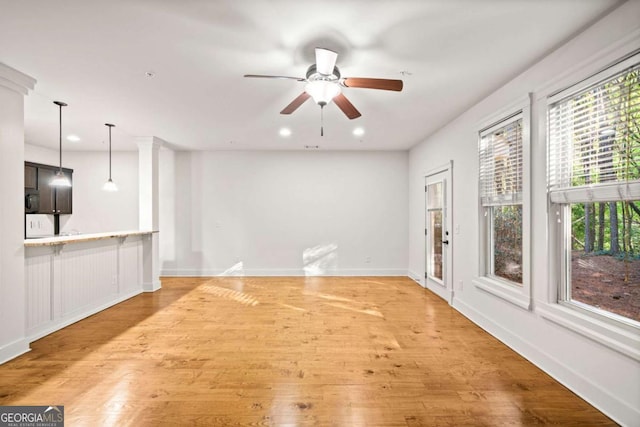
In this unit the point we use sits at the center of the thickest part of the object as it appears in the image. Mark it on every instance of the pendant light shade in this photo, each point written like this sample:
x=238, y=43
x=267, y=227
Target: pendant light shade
x=109, y=185
x=60, y=179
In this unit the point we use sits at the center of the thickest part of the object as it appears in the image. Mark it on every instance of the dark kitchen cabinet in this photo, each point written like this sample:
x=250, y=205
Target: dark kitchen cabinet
x=63, y=199
x=30, y=177
x=47, y=192
x=53, y=200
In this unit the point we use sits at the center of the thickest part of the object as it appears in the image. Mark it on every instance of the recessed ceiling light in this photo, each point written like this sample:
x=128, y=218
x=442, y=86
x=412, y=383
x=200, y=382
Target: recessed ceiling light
x=73, y=138
x=358, y=131
x=285, y=132
x=149, y=74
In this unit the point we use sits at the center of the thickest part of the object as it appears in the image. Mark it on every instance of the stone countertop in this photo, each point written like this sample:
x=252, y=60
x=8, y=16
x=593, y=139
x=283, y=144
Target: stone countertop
x=79, y=238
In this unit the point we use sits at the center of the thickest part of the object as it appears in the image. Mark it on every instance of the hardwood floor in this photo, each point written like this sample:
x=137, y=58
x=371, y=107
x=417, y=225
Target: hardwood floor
x=292, y=351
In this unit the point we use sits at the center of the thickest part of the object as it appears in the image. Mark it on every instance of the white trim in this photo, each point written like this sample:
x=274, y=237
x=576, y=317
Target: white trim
x=14, y=349
x=618, y=410
x=617, y=338
x=505, y=114
x=519, y=295
x=16, y=81
x=442, y=168
x=152, y=286
x=445, y=289
x=504, y=290
x=594, y=64
x=605, y=330
x=594, y=79
x=415, y=277
x=294, y=272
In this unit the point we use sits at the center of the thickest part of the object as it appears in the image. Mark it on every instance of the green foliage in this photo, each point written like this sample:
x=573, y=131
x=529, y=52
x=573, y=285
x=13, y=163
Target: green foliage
x=507, y=239
x=631, y=229
x=606, y=148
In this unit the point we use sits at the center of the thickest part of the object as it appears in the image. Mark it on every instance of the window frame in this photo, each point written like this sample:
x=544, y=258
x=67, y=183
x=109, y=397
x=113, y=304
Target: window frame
x=606, y=328
x=514, y=293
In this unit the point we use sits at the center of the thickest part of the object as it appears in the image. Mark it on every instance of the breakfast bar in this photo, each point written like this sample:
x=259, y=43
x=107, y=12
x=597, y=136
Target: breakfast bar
x=72, y=277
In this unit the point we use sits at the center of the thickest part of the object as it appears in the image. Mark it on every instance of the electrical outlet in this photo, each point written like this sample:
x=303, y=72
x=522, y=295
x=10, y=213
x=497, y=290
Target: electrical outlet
x=367, y=260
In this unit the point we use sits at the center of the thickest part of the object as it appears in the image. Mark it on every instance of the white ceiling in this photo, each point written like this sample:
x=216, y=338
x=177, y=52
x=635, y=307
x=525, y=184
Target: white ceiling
x=94, y=56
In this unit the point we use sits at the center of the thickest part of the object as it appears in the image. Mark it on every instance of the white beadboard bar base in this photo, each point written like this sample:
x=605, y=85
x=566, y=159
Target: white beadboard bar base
x=69, y=279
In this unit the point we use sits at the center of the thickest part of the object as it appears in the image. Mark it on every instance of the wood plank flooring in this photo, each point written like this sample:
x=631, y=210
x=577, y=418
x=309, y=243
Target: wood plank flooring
x=294, y=351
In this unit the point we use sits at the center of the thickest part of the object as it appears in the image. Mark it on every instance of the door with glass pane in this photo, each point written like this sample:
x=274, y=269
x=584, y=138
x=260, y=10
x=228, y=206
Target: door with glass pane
x=437, y=251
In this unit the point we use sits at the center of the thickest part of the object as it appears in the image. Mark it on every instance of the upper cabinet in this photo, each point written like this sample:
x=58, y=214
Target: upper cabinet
x=53, y=200
x=30, y=177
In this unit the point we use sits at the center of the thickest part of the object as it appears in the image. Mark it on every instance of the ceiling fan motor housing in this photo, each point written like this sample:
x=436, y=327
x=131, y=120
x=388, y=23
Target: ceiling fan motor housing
x=313, y=74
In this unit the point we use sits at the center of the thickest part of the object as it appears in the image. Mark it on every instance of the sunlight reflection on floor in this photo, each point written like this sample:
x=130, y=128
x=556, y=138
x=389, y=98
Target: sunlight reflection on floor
x=230, y=294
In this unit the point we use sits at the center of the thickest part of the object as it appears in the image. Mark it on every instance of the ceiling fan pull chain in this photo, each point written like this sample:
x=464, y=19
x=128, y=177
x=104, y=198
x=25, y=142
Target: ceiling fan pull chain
x=322, y=120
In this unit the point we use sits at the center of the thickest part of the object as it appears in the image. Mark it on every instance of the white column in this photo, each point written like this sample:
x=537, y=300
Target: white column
x=13, y=87
x=148, y=165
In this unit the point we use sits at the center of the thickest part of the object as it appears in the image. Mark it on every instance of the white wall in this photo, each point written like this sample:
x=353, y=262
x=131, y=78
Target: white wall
x=95, y=210
x=271, y=213
x=13, y=87
x=607, y=379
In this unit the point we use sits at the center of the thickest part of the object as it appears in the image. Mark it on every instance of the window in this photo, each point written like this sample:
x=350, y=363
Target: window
x=594, y=192
x=503, y=162
x=501, y=198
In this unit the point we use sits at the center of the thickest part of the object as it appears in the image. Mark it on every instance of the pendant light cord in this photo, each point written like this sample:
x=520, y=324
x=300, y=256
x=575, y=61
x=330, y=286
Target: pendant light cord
x=109, y=125
x=60, y=128
x=60, y=104
x=109, y=153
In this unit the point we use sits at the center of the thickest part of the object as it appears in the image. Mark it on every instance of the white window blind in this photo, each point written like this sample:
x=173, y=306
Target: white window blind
x=594, y=141
x=501, y=157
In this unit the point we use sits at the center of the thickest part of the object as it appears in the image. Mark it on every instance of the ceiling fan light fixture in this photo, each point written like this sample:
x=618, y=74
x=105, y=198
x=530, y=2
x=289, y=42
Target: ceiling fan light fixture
x=322, y=91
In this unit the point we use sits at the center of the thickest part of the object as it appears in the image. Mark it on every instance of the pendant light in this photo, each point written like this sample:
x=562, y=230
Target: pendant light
x=109, y=185
x=60, y=179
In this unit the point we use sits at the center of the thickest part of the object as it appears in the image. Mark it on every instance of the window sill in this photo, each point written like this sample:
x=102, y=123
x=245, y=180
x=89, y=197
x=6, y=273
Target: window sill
x=502, y=289
x=623, y=340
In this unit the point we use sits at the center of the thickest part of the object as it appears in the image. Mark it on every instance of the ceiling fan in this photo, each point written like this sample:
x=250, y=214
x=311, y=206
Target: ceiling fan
x=324, y=84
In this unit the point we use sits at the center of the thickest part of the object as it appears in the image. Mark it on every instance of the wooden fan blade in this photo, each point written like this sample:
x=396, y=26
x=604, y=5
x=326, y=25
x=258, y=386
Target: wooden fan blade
x=367, y=83
x=262, y=76
x=346, y=106
x=325, y=61
x=295, y=103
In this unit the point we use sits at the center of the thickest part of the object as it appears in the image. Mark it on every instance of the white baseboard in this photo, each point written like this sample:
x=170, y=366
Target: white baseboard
x=13, y=350
x=152, y=286
x=577, y=382
x=416, y=277
x=281, y=272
